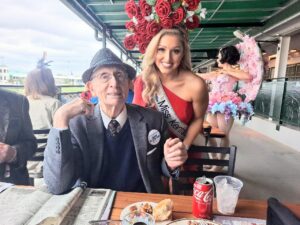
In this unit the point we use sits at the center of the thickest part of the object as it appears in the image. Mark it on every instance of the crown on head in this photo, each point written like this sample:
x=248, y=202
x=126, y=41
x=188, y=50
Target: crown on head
x=148, y=17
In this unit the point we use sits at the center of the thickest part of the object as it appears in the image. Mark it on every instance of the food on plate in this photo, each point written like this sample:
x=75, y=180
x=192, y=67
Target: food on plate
x=144, y=207
x=163, y=210
x=147, y=208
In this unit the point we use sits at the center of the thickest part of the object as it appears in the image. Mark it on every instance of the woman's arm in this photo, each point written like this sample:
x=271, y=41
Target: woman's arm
x=200, y=101
x=208, y=76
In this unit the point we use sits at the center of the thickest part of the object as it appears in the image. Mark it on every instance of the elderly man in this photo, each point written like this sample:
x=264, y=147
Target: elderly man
x=112, y=145
x=17, y=142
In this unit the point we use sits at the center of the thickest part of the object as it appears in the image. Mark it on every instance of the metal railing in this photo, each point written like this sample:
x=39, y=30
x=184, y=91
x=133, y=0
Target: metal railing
x=279, y=99
x=65, y=93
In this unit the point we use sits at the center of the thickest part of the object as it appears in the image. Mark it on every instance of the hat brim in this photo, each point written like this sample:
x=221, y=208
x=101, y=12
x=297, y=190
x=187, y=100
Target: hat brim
x=86, y=76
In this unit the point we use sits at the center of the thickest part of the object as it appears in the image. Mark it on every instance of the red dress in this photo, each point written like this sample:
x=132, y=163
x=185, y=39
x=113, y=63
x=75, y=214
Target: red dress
x=182, y=108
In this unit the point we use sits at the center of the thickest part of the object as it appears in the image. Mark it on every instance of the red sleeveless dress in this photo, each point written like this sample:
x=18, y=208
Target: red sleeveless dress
x=182, y=108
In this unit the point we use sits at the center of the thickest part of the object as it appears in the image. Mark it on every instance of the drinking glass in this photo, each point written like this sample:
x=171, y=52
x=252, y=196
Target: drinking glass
x=228, y=189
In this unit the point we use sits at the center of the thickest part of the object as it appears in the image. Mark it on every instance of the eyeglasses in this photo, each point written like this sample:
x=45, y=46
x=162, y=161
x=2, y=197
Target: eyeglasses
x=105, y=77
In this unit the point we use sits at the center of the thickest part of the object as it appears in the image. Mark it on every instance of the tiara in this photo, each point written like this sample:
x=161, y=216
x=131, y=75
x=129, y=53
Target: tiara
x=148, y=17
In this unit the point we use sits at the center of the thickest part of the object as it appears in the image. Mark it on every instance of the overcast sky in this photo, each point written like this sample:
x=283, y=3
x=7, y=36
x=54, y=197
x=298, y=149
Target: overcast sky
x=29, y=27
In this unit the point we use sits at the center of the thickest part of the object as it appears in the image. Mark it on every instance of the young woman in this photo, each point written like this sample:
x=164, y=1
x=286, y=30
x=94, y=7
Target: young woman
x=168, y=84
x=222, y=83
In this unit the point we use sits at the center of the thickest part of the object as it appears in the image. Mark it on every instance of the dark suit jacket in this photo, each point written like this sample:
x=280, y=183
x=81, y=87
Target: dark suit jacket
x=16, y=130
x=68, y=153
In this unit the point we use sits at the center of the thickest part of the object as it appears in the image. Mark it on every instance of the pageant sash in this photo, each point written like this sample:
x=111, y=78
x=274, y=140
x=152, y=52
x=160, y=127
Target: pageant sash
x=178, y=128
x=163, y=105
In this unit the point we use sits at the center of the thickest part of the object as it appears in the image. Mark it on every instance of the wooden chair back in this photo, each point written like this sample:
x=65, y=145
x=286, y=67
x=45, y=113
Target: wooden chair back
x=196, y=166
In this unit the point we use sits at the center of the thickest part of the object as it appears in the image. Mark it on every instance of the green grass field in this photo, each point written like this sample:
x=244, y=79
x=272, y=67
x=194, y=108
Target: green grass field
x=20, y=90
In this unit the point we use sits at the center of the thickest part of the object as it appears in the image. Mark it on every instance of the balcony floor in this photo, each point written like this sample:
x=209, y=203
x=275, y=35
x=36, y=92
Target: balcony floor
x=266, y=167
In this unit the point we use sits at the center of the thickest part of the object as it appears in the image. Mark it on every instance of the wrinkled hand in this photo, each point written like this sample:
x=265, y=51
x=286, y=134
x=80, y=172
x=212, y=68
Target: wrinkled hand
x=175, y=153
x=76, y=107
x=7, y=152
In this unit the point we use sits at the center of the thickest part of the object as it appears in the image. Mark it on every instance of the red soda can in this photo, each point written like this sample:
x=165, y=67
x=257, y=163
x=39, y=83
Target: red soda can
x=203, y=194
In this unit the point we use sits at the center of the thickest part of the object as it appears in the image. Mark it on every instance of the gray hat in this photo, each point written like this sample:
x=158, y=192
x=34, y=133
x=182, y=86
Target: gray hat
x=105, y=57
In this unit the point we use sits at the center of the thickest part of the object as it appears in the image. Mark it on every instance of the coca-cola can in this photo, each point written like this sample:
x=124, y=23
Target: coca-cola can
x=203, y=194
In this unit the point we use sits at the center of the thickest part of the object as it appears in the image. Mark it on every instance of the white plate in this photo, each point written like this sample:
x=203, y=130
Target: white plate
x=198, y=221
x=126, y=210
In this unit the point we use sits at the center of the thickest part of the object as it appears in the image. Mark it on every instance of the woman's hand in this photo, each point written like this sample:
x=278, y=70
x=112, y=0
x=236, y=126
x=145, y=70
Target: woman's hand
x=76, y=107
x=175, y=153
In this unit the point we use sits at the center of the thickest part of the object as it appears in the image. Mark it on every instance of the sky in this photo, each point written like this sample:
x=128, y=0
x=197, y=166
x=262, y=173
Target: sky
x=30, y=27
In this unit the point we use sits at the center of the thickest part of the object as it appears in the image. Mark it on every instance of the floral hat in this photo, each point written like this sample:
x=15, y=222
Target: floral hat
x=148, y=17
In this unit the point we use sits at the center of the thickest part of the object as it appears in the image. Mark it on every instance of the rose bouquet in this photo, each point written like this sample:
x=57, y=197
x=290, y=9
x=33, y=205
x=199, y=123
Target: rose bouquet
x=148, y=17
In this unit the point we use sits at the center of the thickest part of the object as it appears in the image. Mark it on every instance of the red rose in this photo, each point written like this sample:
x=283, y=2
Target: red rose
x=86, y=95
x=130, y=42
x=141, y=36
x=166, y=22
x=143, y=46
x=131, y=8
x=130, y=26
x=173, y=1
x=153, y=28
x=192, y=24
x=178, y=16
x=163, y=8
x=141, y=26
x=192, y=4
x=145, y=8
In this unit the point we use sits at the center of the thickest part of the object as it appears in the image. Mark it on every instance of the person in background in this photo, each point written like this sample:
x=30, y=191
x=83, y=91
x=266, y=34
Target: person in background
x=40, y=90
x=168, y=84
x=17, y=142
x=234, y=86
x=222, y=83
x=111, y=145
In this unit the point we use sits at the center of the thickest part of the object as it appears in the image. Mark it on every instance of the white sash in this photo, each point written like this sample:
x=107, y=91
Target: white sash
x=178, y=128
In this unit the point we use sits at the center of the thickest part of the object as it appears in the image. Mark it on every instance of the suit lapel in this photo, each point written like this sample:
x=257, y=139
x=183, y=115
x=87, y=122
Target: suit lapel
x=139, y=134
x=95, y=135
x=4, y=119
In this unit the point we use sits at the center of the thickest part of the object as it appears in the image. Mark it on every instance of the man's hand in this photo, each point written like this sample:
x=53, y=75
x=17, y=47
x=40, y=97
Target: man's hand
x=7, y=153
x=175, y=153
x=68, y=111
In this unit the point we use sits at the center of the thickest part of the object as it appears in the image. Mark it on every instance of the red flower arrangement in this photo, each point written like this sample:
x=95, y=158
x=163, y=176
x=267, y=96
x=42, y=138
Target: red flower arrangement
x=148, y=17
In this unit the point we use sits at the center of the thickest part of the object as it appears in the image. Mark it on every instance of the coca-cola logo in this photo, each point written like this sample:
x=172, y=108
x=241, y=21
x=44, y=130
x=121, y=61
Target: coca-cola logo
x=203, y=195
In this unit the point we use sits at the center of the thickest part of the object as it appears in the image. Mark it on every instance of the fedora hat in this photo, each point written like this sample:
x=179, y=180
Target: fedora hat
x=105, y=57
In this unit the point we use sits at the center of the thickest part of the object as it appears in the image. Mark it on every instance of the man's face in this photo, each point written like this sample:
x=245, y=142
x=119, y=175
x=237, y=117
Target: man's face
x=110, y=85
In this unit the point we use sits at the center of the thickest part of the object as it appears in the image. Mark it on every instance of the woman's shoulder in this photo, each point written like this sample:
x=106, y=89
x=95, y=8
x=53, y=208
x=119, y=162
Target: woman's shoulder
x=193, y=80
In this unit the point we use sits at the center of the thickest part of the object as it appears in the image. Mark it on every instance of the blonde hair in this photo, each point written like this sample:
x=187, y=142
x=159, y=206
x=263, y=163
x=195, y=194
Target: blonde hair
x=40, y=82
x=150, y=71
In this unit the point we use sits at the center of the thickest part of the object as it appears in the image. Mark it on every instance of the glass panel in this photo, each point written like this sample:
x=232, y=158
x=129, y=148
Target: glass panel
x=291, y=103
x=263, y=100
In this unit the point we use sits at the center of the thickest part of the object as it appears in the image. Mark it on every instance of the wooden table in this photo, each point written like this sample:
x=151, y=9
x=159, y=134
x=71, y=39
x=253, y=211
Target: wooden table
x=183, y=205
x=215, y=132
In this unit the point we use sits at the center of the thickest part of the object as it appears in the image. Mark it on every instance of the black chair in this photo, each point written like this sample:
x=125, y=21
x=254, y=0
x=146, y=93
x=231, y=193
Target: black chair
x=195, y=167
x=278, y=214
x=42, y=141
x=34, y=164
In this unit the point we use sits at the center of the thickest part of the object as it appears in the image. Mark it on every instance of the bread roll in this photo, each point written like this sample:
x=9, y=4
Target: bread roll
x=163, y=210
